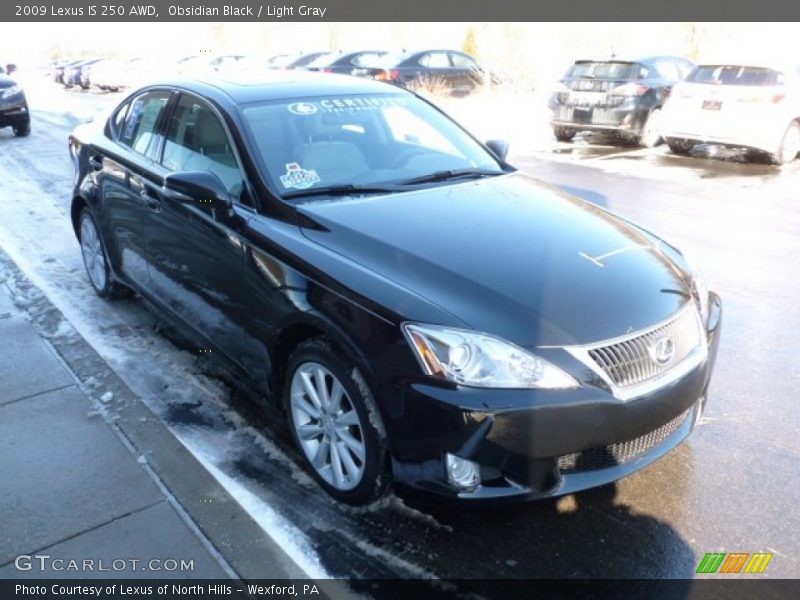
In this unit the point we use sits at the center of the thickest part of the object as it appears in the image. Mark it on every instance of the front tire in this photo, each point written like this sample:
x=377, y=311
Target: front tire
x=790, y=146
x=22, y=130
x=680, y=146
x=335, y=423
x=564, y=134
x=96, y=261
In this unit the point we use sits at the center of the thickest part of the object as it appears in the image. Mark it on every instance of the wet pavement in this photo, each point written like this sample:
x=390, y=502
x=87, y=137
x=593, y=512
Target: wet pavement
x=731, y=487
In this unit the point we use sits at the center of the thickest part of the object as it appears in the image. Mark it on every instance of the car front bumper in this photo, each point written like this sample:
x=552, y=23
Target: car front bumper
x=14, y=112
x=544, y=443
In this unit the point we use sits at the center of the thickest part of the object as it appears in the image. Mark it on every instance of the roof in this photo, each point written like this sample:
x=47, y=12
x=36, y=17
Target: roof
x=278, y=85
x=635, y=59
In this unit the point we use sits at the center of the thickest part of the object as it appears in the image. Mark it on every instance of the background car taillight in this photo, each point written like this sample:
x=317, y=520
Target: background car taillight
x=387, y=75
x=629, y=89
x=561, y=93
x=326, y=70
x=762, y=99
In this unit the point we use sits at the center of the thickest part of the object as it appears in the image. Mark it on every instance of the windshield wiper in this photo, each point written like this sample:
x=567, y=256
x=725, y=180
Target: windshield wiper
x=347, y=189
x=451, y=174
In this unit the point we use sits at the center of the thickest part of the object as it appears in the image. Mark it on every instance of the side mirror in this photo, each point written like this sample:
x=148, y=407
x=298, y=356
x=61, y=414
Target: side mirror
x=200, y=187
x=499, y=148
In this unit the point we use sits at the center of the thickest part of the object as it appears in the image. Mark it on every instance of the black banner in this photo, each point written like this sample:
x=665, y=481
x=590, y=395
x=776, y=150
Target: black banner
x=398, y=10
x=305, y=589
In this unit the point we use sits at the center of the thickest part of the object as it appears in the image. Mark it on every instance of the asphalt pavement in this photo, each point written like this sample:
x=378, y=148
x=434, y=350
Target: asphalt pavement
x=731, y=487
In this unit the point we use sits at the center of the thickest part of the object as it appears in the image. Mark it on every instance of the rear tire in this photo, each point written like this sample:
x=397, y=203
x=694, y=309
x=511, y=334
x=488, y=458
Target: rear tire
x=564, y=134
x=790, y=146
x=680, y=146
x=335, y=424
x=95, y=259
x=22, y=130
x=651, y=136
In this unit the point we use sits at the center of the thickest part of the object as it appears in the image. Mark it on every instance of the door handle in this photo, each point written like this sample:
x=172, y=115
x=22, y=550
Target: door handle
x=150, y=200
x=96, y=162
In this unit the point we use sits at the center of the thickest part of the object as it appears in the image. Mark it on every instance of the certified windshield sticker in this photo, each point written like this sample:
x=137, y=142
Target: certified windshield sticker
x=302, y=108
x=298, y=178
x=360, y=103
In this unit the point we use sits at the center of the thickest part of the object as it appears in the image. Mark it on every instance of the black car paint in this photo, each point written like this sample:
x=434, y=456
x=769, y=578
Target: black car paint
x=410, y=72
x=14, y=110
x=621, y=114
x=259, y=277
x=346, y=64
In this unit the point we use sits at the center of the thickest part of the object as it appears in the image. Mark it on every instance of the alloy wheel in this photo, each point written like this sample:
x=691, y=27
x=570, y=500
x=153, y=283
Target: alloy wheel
x=93, y=256
x=327, y=426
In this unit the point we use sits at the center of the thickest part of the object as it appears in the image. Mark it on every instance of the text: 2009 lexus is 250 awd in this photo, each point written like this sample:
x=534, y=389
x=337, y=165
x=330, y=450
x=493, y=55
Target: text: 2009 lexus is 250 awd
x=426, y=314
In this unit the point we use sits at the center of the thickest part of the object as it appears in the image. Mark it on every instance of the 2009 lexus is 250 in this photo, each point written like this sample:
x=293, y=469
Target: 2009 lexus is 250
x=426, y=315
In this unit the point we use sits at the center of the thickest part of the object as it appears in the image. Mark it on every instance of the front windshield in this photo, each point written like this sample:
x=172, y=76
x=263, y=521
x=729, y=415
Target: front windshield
x=359, y=140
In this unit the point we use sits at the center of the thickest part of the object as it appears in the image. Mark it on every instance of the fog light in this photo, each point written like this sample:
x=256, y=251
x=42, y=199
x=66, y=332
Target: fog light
x=462, y=472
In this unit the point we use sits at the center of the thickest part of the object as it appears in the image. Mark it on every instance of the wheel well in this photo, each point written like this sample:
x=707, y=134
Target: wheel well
x=288, y=340
x=78, y=204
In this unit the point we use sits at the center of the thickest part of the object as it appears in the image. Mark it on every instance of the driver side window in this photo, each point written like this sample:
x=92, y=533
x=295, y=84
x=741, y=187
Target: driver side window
x=197, y=141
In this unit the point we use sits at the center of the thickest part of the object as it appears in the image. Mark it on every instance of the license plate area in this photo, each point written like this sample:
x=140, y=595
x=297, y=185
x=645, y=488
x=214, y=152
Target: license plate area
x=712, y=104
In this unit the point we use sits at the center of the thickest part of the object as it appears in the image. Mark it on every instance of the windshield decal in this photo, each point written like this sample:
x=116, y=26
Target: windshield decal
x=302, y=108
x=299, y=178
x=360, y=103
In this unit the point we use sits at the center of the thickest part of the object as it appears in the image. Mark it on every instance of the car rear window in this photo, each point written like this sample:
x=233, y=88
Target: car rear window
x=606, y=70
x=735, y=75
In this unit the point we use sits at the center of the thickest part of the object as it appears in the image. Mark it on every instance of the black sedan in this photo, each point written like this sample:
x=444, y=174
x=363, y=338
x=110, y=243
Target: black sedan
x=14, y=111
x=620, y=96
x=449, y=70
x=425, y=314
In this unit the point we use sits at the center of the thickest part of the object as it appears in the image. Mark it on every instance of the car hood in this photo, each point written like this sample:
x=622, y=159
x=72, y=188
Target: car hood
x=511, y=256
x=6, y=82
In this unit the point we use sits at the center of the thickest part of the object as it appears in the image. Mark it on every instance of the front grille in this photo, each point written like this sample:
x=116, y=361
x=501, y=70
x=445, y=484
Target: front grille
x=620, y=453
x=634, y=360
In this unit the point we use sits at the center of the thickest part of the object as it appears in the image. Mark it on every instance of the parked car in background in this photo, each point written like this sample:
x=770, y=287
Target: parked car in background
x=303, y=60
x=87, y=72
x=112, y=74
x=73, y=72
x=426, y=315
x=448, y=69
x=14, y=111
x=616, y=95
x=751, y=105
x=59, y=68
x=347, y=63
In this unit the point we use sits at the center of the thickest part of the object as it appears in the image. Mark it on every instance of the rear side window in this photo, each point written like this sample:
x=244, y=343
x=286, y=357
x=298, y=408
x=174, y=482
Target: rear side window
x=366, y=59
x=141, y=122
x=607, y=70
x=435, y=60
x=462, y=62
x=735, y=75
x=197, y=141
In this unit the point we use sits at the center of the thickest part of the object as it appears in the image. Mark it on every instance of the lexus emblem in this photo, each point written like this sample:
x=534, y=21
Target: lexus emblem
x=662, y=350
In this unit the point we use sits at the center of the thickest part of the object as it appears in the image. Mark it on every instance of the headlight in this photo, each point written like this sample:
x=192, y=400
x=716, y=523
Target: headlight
x=11, y=91
x=699, y=288
x=481, y=360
